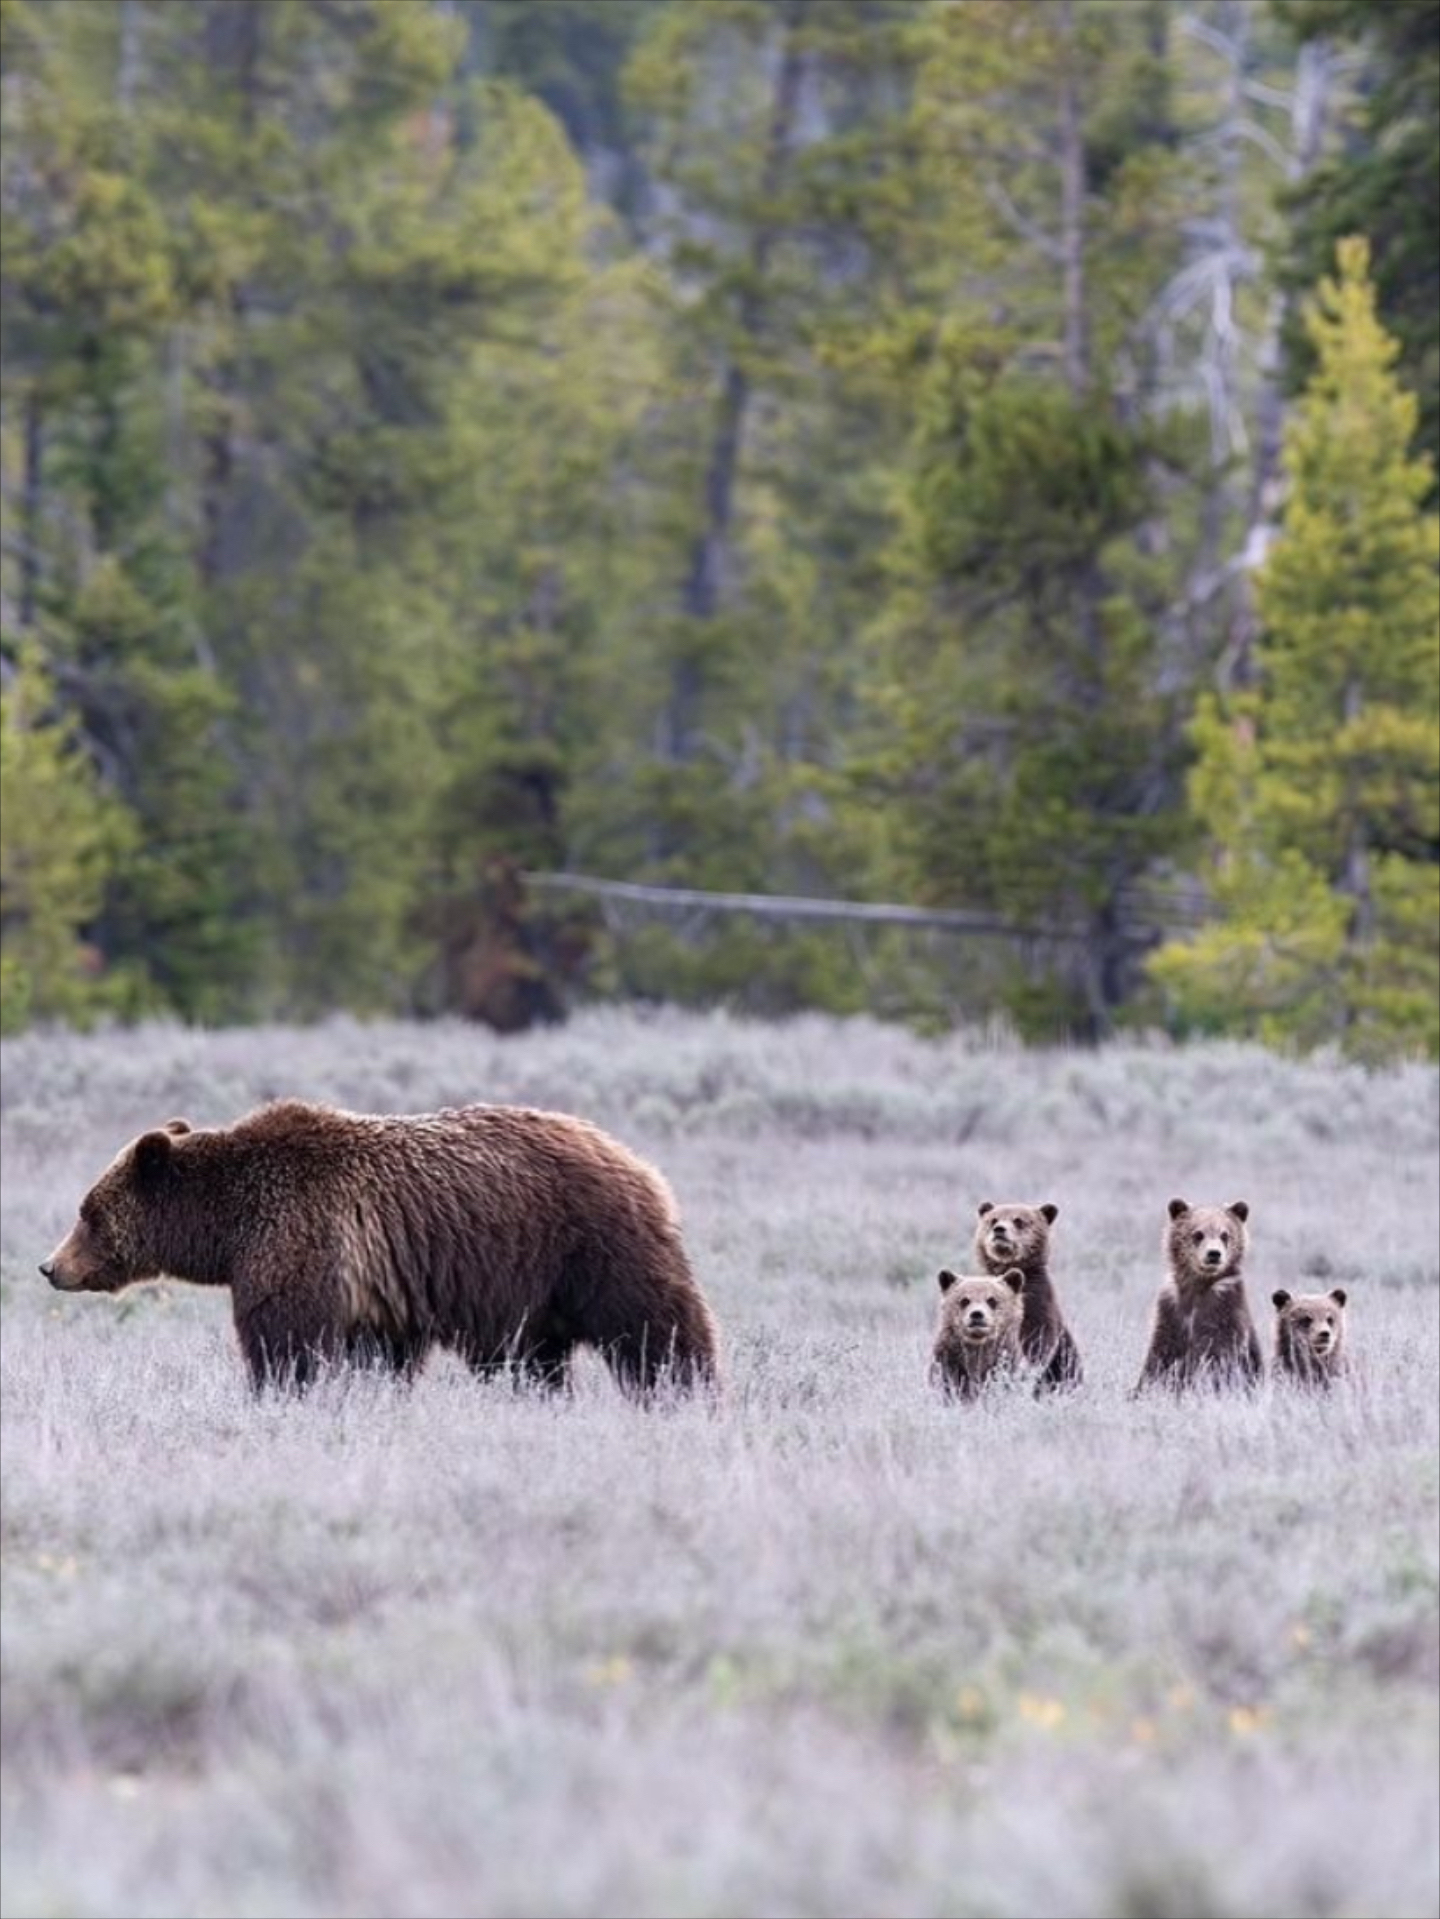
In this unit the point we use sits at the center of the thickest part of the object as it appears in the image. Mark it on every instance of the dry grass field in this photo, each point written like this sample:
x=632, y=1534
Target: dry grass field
x=832, y=1648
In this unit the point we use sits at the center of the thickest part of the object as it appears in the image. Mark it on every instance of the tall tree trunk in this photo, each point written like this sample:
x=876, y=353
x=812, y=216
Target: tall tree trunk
x=1309, y=115
x=231, y=37
x=1104, y=961
x=127, y=71
x=705, y=574
x=1072, y=213
x=1355, y=879
x=32, y=497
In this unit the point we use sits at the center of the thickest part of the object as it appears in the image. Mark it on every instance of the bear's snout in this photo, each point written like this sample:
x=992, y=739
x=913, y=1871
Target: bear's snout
x=1213, y=1256
x=58, y=1275
x=67, y=1268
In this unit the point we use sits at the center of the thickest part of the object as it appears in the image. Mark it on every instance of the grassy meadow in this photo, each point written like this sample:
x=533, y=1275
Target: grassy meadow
x=832, y=1648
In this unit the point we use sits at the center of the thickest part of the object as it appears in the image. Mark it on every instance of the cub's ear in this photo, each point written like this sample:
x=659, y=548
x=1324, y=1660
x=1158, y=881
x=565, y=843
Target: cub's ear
x=1280, y=1300
x=985, y=1206
x=178, y=1126
x=947, y=1280
x=1050, y=1213
x=152, y=1157
x=1178, y=1208
x=1241, y=1210
x=1339, y=1295
x=1014, y=1279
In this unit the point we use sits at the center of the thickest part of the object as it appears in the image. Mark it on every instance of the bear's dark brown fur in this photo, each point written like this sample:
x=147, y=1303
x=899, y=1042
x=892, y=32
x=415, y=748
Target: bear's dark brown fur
x=508, y=1235
x=978, y=1338
x=1202, y=1332
x=1310, y=1336
x=1019, y=1236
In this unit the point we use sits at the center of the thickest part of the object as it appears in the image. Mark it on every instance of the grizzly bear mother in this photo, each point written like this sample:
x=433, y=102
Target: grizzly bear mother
x=508, y=1235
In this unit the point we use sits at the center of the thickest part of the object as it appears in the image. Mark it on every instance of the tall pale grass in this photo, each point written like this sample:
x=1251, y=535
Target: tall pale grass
x=831, y=1648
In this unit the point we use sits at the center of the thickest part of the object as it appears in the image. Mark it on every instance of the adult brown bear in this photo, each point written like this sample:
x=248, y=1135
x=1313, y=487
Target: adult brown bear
x=509, y=1235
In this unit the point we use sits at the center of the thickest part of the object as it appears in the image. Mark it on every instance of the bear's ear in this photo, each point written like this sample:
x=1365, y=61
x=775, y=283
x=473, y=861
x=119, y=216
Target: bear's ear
x=152, y=1157
x=1178, y=1208
x=1241, y=1210
x=1339, y=1295
x=985, y=1206
x=1049, y=1213
x=178, y=1126
x=947, y=1280
x=1014, y=1279
x=1280, y=1300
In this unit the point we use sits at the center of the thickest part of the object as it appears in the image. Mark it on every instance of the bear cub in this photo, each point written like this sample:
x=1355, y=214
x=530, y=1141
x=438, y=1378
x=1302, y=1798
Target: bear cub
x=1202, y=1332
x=1018, y=1237
x=1310, y=1336
x=978, y=1339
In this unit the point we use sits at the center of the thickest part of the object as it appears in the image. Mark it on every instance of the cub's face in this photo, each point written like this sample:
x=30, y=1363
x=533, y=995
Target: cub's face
x=982, y=1311
x=1207, y=1243
x=1013, y=1235
x=1313, y=1321
x=112, y=1243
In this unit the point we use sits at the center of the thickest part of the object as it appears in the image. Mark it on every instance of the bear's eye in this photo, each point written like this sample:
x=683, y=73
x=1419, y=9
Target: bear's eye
x=992, y=1302
x=1303, y=1320
x=1224, y=1239
x=1197, y=1239
x=1018, y=1223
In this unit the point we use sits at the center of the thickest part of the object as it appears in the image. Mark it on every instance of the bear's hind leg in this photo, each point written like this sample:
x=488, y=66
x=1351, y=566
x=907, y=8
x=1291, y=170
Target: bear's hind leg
x=1064, y=1371
x=648, y=1342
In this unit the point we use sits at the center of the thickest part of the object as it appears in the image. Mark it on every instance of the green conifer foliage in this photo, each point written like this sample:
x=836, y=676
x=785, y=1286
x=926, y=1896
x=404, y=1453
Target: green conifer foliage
x=1321, y=789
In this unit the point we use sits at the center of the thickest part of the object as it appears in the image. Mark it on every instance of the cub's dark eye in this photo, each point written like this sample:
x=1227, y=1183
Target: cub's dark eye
x=1018, y=1223
x=1303, y=1320
x=1224, y=1239
x=992, y=1302
x=1197, y=1239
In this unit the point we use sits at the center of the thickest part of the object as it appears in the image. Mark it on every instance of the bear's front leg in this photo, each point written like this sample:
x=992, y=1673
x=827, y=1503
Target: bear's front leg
x=1166, y=1361
x=285, y=1337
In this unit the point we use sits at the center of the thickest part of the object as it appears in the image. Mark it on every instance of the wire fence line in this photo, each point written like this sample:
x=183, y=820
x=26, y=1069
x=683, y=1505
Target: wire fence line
x=1146, y=924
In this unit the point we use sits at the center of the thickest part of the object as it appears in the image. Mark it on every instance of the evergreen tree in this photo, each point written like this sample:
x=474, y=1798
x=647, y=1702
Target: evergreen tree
x=1027, y=736
x=1321, y=790
x=61, y=840
x=92, y=295
x=1384, y=185
x=742, y=443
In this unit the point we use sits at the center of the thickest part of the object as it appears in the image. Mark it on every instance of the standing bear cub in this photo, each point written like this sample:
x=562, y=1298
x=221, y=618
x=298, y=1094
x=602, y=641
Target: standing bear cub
x=510, y=1236
x=1019, y=1237
x=1202, y=1332
x=978, y=1338
x=1310, y=1336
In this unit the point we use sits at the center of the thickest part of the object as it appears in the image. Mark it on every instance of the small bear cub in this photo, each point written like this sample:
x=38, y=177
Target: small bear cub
x=1010, y=1236
x=1310, y=1336
x=978, y=1337
x=1202, y=1332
